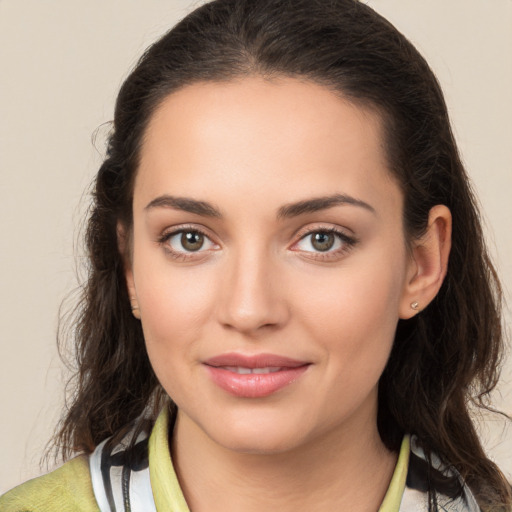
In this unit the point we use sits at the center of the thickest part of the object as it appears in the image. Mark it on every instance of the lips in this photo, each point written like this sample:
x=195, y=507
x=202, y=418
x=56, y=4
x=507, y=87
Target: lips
x=254, y=376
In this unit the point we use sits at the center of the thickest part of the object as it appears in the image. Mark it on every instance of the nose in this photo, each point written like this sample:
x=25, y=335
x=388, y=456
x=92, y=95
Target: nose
x=253, y=297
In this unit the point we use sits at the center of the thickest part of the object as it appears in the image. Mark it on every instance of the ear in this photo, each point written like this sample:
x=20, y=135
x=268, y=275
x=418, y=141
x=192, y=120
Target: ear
x=428, y=263
x=123, y=244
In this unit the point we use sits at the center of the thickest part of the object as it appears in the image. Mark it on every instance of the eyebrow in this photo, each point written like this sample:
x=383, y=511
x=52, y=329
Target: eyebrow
x=320, y=203
x=206, y=209
x=185, y=204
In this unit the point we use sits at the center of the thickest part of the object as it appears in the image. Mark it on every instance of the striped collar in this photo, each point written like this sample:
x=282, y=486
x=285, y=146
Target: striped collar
x=140, y=477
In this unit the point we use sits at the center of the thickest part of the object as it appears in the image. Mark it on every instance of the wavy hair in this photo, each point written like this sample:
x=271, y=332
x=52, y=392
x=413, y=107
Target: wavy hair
x=444, y=360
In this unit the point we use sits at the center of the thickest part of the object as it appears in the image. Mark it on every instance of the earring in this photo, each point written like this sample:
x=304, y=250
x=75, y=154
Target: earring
x=415, y=305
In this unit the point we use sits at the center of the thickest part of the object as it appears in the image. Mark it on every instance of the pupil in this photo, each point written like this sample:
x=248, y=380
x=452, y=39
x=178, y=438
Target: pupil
x=192, y=241
x=323, y=241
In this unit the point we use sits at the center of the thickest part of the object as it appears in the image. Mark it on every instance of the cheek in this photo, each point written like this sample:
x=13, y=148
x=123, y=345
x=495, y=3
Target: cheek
x=175, y=307
x=353, y=311
x=355, y=332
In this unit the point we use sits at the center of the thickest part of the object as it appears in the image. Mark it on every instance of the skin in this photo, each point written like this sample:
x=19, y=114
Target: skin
x=258, y=285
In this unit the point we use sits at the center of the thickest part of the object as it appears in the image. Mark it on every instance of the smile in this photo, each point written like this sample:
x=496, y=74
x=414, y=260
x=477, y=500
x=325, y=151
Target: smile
x=241, y=370
x=255, y=376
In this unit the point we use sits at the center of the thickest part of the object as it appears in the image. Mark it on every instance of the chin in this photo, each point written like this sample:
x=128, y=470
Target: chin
x=261, y=436
x=270, y=444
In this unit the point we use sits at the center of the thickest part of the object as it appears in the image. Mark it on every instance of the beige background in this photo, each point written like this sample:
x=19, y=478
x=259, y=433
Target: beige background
x=61, y=63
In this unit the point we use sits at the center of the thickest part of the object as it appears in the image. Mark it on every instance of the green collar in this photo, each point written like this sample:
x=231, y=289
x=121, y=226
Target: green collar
x=169, y=497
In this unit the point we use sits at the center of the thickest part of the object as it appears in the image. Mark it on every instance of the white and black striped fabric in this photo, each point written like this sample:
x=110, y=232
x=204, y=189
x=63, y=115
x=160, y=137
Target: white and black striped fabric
x=120, y=475
x=121, y=483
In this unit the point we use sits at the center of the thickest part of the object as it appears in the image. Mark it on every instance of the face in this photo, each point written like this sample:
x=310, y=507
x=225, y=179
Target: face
x=268, y=261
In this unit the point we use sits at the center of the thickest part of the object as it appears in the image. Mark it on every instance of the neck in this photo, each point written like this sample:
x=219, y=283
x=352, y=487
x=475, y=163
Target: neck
x=347, y=469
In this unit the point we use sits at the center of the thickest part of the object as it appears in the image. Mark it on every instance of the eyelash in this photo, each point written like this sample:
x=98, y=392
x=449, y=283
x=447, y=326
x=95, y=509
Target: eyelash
x=163, y=240
x=348, y=242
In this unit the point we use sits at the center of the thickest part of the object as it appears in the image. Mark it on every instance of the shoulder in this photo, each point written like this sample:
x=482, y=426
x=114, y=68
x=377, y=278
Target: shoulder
x=67, y=488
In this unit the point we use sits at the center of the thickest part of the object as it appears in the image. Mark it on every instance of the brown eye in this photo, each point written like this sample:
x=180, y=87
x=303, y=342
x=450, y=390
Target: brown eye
x=322, y=241
x=187, y=241
x=192, y=240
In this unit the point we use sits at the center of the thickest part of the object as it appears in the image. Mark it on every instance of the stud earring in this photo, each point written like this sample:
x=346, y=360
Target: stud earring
x=415, y=305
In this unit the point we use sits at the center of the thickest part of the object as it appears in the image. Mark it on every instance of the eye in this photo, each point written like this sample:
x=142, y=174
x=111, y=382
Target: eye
x=329, y=241
x=186, y=241
x=321, y=241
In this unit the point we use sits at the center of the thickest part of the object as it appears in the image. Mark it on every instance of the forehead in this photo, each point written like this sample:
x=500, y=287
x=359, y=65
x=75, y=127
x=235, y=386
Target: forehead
x=253, y=137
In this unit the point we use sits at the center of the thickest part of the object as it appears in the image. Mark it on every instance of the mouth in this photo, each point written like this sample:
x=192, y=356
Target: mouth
x=254, y=376
x=241, y=370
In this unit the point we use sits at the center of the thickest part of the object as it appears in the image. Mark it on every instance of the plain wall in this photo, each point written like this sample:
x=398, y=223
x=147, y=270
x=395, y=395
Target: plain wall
x=61, y=64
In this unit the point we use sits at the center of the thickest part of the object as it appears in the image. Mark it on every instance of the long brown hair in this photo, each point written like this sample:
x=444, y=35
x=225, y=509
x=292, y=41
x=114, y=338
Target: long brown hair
x=443, y=360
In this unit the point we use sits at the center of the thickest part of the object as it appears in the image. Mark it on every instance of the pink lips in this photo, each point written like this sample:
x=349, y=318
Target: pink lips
x=254, y=376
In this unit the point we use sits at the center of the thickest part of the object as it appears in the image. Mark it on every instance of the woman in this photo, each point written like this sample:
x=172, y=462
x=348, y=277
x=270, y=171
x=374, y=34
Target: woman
x=283, y=241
